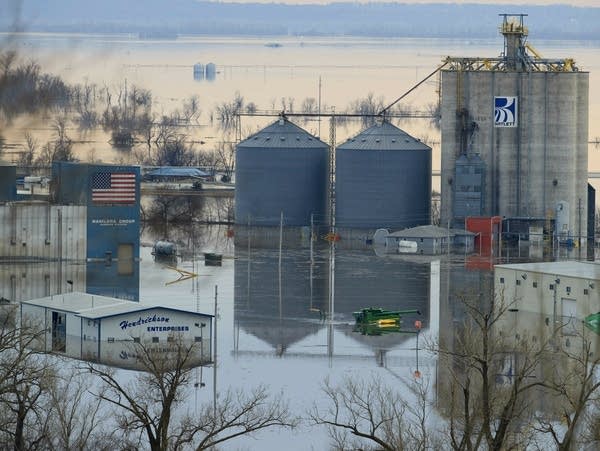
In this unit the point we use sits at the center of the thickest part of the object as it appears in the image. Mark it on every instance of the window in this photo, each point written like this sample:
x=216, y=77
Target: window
x=518, y=282
x=552, y=286
x=111, y=339
x=136, y=339
x=197, y=339
x=501, y=279
x=534, y=284
x=154, y=339
x=170, y=339
x=585, y=291
x=568, y=290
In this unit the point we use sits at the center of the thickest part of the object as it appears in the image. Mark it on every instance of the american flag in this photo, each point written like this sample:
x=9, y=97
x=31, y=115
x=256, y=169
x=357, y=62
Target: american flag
x=113, y=188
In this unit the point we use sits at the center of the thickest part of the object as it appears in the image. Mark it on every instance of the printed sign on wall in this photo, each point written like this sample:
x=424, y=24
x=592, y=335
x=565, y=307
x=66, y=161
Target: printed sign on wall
x=505, y=111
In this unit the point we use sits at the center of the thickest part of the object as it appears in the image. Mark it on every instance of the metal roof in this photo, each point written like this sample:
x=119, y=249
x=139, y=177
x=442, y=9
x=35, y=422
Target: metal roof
x=130, y=307
x=93, y=306
x=74, y=302
x=425, y=231
x=383, y=136
x=575, y=269
x=171, y=171
x=282, y=134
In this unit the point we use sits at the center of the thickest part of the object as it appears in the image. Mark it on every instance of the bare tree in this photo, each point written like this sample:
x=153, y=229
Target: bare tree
x=225, y=153
x=491, y=377
x=368, y=106
x=25, y=377
x=368, y=412
x=147, y=407
x=227, y=112
x=28, y=156
x=191, y=109
x=574, y=388
x=77, y=419
x=236, y=414
x=63, y=145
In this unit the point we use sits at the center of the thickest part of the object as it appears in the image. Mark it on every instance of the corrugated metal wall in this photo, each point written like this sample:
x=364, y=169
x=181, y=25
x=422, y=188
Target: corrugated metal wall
x=25, y=281
x=38, y=230
x=383, y=179
x=281, y=169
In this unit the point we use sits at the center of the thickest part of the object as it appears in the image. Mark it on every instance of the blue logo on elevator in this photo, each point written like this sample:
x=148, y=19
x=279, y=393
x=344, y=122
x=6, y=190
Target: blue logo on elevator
x=505, y=111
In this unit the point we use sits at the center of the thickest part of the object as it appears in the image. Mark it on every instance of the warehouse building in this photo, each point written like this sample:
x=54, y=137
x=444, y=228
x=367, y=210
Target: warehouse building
x=561, y=291
x=106, y=330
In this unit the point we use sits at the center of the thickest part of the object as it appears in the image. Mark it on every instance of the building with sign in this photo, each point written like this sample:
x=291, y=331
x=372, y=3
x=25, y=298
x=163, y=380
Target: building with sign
x=514, y=136
x=86, y=238
x=107, y=330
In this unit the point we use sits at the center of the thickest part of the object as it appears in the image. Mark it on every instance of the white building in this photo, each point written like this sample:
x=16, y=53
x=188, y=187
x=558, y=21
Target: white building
x=106, y=330
x=567, y=289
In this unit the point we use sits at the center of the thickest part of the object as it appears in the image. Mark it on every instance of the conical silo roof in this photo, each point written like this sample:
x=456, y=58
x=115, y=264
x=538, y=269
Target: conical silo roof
x=383, y=136
x=282, y=134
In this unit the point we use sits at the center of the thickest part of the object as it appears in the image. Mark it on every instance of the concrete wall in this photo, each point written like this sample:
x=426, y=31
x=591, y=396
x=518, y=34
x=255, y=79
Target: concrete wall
x=529, y=168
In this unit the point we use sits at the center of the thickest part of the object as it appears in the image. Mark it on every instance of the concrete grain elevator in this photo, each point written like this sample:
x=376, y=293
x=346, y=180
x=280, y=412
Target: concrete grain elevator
x=514, y=136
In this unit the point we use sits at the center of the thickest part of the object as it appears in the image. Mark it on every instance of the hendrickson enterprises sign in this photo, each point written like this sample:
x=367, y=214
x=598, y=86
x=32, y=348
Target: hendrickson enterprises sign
x=506, y=111
x=154, y=323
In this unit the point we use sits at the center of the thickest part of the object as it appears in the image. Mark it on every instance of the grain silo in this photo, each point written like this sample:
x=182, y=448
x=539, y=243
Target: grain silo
x=281, y=169
x=383, y=179
x=523, y=121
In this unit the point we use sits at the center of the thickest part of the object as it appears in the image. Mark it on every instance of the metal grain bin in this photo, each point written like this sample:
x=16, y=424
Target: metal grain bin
x=383, y=179
x=282, y=168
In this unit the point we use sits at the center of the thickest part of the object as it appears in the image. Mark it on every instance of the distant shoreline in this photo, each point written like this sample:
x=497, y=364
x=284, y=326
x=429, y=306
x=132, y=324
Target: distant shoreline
x=385, y=20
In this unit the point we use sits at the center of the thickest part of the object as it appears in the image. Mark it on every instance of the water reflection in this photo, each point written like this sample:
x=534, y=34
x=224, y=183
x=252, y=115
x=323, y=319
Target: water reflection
x=284, y=297
x=280, y=298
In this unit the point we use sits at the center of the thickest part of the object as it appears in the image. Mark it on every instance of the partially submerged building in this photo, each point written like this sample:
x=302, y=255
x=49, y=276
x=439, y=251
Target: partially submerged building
x=428, y=240
x=561, y=291
x=85, y=237
x=514, y=136
x=106, y=330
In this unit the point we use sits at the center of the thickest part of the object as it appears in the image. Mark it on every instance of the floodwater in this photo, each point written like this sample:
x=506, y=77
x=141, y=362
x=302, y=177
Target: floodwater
x=269, y=305
x=336, y=70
